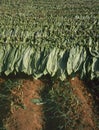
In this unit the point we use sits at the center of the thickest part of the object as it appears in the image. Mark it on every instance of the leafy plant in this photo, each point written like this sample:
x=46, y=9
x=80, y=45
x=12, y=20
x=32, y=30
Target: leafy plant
x=55, y=40
x=62, y=107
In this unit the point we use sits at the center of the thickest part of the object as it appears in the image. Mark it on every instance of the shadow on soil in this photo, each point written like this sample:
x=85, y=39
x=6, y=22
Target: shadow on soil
x=50, y=123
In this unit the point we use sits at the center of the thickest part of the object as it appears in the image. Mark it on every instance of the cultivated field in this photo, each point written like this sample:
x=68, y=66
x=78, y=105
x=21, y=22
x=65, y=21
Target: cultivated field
x=49, y=64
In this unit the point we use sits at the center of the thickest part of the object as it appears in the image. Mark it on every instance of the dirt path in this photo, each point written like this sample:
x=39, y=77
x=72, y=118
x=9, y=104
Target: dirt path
x=24, y=114
x=86, y=110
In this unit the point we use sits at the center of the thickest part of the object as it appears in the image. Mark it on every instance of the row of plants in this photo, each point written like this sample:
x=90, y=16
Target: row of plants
x=30, y=22
x=59, y=46
x=58, y=31
x=39, y=61
x=62, y=107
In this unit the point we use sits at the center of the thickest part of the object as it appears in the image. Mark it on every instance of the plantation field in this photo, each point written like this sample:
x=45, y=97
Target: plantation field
x=66, y=30
x=49, y=49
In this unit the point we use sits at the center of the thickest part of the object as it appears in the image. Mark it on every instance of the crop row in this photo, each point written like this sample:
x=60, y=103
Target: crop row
x=59, y=38
x=55, y=62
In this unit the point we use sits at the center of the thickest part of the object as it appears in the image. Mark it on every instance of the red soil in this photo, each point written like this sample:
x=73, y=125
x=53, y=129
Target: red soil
x=22, y=114
x=31, y=117
x=86, y=109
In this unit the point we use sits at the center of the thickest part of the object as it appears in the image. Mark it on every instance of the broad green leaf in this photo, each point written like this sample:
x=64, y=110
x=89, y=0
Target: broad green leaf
x=37, y=101
x=52, y=64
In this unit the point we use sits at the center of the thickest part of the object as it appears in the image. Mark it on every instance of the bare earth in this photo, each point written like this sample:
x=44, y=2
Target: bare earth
x=23, y=114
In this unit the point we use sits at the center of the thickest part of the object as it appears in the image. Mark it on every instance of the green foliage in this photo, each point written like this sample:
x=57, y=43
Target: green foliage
x=7, y=87
x=39, y=38
x=63, y=107
x=53, y=61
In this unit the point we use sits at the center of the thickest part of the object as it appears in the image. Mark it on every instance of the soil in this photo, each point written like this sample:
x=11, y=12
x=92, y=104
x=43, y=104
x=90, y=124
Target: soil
x=22, y=114
x=87, y=115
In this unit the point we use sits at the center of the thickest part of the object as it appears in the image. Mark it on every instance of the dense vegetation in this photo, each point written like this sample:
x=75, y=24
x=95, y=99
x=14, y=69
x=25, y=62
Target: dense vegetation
x=59, y=38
